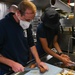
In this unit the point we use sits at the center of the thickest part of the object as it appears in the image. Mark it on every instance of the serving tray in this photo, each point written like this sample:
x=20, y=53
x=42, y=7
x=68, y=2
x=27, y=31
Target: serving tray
x=66, y=71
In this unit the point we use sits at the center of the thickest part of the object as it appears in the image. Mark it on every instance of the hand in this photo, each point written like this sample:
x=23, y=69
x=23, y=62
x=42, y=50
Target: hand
x=66, y=61
x=16, y=67
x=66, y=56
x=42, y=64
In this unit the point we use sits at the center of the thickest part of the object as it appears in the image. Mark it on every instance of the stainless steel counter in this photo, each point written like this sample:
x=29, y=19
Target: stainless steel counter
x=51, y=63
x=53, y=70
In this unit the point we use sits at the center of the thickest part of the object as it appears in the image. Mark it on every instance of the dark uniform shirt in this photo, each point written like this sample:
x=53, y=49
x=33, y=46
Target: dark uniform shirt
x=44, y=32
x=13, y=43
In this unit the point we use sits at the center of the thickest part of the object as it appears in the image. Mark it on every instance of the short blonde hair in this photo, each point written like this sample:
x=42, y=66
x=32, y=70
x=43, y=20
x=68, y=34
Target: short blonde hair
x=26, y=4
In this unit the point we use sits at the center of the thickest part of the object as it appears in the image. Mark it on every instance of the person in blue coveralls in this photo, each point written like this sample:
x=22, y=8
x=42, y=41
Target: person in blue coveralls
x=16, y=39
x=47, y=34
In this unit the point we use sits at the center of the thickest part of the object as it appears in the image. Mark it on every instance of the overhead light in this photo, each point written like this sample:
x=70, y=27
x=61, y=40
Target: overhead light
x=71, y=4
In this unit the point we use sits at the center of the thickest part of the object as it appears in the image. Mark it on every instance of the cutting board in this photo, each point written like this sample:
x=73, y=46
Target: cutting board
x=53, y=70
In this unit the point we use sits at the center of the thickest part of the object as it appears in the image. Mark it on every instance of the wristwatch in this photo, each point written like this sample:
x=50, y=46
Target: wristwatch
x=59, y=53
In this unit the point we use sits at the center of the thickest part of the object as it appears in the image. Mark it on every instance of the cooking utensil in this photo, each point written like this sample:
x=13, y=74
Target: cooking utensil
x=25, y=69
x=28, y=69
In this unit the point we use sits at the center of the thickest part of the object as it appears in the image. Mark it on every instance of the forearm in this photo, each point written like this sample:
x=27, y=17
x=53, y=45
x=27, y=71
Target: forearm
x=6, y=61
x=39, y=62
x=49, y=51
x=35, y=54
x=57, y=47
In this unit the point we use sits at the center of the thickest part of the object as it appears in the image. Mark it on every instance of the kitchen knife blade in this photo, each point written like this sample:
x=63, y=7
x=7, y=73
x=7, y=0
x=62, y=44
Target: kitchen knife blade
x=25, y=69
x=28, y=69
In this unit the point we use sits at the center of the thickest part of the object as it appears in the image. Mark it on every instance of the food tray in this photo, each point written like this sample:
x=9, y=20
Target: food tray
x=66, y=71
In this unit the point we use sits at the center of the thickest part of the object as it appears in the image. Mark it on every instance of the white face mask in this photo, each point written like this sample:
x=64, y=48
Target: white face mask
x=24, y=24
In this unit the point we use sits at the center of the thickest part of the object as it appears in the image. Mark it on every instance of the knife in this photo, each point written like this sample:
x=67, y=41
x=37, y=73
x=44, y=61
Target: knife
x=25, y=69
x=28, y=69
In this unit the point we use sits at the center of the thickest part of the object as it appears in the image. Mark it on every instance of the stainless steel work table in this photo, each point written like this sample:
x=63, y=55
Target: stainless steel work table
x=50, y=64
x=51, y=61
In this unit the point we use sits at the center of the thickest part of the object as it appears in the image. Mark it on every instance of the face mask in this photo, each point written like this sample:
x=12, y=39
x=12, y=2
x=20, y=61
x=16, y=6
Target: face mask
x=24, y=24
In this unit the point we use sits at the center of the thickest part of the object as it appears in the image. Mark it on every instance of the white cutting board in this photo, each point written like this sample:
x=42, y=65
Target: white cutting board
x=53, y=70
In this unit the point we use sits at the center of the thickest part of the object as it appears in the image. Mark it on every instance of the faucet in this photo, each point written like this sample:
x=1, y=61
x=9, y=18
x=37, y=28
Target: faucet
x=69, y=44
